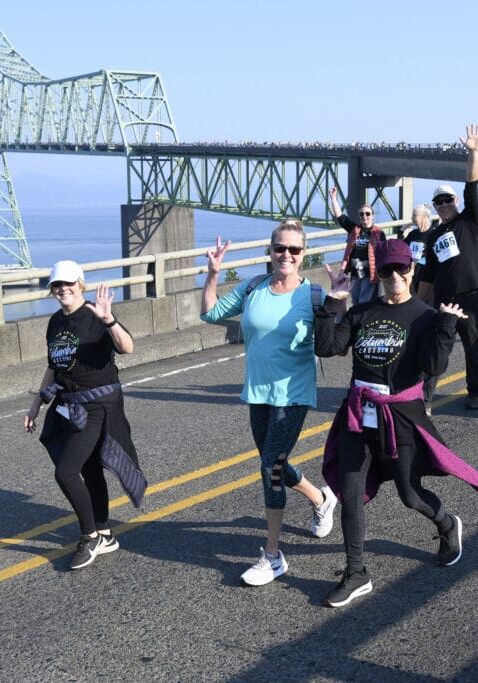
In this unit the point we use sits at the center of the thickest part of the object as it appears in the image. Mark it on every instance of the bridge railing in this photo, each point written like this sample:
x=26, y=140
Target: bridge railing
x=157, y=274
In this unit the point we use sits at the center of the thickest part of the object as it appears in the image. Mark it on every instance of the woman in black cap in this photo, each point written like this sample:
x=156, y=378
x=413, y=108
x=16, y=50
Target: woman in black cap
x=381, y=430
x=85, y=428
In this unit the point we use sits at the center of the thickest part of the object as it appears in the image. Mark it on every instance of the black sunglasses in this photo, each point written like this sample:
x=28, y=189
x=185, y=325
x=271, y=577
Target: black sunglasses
x=281, y=249
x=399, y=268
x=443, y=200
x=365, y=213
x=62, y=283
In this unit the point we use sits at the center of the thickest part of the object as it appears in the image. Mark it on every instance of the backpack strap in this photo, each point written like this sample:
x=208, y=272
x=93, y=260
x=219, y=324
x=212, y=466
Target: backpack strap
x=256, y=280
x=317, y=295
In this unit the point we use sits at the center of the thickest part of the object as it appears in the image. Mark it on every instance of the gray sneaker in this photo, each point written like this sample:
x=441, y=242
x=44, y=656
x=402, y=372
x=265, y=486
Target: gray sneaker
x=86, y=551
x=323, y=515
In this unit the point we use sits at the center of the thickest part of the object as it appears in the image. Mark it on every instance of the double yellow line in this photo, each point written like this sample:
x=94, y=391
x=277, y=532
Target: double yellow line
x=183, y=504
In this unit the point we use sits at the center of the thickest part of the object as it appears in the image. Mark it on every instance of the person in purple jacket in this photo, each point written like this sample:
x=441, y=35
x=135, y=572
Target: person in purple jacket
x=381, y=431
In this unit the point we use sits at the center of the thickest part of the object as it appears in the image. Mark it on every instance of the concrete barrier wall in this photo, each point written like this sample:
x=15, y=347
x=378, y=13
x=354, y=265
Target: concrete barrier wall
x=162, y=328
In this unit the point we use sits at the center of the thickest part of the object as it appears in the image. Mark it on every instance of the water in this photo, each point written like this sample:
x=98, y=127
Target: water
x=93, y=233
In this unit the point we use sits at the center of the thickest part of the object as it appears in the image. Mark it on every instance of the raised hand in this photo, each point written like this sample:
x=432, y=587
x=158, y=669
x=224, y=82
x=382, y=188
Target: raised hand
x=454, y=309
x=216, y=254
x=471, y=140
x=339, y=283
x=102, y=306
x=333, y=192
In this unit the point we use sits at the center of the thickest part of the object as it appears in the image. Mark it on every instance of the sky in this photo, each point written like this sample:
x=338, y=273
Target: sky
x=265, y=70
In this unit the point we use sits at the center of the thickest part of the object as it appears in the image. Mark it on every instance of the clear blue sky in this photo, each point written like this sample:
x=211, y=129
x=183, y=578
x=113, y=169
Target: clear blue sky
x=271, y=69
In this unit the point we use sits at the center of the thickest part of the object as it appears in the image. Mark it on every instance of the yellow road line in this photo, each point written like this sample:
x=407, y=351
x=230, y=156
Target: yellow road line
x=155, y=488
x=18, y=539
x=451, y=378
x=191, y=501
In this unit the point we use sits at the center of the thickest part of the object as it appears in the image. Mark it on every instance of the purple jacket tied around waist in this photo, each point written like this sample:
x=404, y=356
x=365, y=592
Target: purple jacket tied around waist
x=440, y=460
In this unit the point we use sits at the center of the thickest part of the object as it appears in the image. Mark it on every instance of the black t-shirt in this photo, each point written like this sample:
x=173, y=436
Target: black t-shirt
x=417, y=241
x=359, y=255
x=392, y=344
x=80, y=350
x=455, y=274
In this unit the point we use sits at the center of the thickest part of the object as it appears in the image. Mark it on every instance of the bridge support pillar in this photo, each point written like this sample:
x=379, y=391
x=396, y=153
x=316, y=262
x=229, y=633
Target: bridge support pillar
x=157, y=229
x=358, y=184
x=405, y=199
x=356, y=187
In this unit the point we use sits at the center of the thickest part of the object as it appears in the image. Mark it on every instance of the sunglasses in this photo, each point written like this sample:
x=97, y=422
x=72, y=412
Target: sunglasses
x=399, y=268
x=62, y=283
x=281, y=249
x=443, y=200
x=365, y=213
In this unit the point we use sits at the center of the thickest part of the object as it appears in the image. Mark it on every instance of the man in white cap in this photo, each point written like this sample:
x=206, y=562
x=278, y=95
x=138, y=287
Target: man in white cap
x=452, y=260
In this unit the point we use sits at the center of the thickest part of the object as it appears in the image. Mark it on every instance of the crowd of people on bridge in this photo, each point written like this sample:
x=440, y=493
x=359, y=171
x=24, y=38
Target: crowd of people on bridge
x=381, y=431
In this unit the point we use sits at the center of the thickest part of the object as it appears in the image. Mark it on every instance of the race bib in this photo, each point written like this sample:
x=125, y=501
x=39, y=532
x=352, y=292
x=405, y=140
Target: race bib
x=417, y=249
x=369, y=410
x=63, y=410
x=446, y=247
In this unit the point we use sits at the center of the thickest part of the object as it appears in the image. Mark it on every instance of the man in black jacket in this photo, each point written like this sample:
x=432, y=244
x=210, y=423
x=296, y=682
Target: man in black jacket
x=452, y=260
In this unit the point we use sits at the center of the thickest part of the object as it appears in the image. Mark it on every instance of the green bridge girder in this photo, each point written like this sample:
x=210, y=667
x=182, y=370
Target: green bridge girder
x=256, y=187
x=97, y=113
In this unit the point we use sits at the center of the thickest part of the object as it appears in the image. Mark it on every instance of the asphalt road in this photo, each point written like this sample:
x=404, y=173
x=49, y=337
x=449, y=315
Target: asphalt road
x=169, y=606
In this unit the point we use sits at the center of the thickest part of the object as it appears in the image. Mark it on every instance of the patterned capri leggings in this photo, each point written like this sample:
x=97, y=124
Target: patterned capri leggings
x=275, y=431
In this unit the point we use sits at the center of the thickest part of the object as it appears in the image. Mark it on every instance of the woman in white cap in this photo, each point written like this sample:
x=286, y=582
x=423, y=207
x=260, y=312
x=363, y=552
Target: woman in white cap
x=85, y=428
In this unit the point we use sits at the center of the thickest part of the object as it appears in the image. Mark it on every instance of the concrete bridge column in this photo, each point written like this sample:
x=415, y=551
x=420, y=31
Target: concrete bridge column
x=405, y=199
x=157, y=229
x=356, y=187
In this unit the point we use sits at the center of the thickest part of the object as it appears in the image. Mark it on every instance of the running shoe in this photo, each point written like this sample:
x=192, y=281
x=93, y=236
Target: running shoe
x=323, y=515
x=449, y=551
x=351, y=586
x=266, y=569
x=86, y=551
x=109, y=545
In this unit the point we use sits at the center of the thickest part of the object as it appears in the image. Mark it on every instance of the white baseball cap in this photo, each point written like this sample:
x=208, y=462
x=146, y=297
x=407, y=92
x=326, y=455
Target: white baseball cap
x=444, y=189
x=66, y=271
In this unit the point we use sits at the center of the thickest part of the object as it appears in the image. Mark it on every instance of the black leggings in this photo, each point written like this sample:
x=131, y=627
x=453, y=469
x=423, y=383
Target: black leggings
x=355, y=455
x=80, y=475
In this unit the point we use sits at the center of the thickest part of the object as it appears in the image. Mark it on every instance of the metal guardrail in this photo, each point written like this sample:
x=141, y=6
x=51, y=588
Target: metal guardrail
x=160, y=275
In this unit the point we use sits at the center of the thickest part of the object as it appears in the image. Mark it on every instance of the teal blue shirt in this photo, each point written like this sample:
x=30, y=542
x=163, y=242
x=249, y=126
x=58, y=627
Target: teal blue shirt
x=278, y=337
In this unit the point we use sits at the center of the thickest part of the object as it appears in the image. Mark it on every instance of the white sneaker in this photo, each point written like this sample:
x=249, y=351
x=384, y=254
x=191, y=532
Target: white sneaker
x=266, y=569
x=323, y=515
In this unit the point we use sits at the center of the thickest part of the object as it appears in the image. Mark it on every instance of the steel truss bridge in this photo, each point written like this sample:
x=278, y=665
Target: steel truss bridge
x=126, y=113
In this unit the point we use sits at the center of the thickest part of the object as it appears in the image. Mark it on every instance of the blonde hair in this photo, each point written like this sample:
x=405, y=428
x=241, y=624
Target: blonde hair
x=293, y=224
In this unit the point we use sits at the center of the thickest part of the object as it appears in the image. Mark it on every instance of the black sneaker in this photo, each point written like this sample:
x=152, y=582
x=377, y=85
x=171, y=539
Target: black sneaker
x=449, y=551
x=86, y=551
x=471, y=403
x=109, y=544
x=352, y=585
